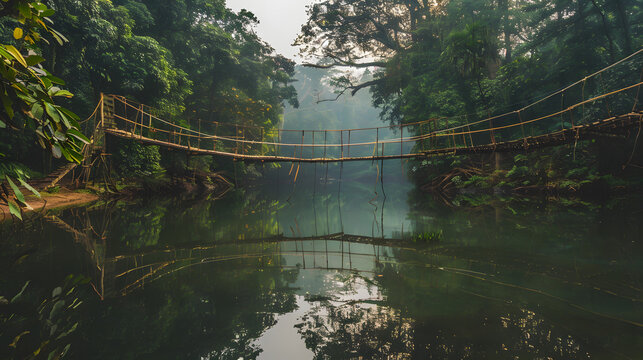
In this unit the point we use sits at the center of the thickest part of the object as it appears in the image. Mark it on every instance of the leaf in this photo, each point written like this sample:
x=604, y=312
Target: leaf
x=71, y=155
x=29, y=187
x=57, y=291
x=70, y=114
x=56, y=308
x=17, y=33
x=17, y=338
x=64, y=93
x=39, y=6
x=55, y=150
x=34, y=60
x=66, y=120
x=60, y=136
x=16, y=191
x=52, y=112
x=71, y=330
x=65, y=351
x=16, y=54
x=78, y=135
x=2, y=124
x=8, y=106
x=15, y=210
x=56, y=80
x=18, y=295
x=37, y=111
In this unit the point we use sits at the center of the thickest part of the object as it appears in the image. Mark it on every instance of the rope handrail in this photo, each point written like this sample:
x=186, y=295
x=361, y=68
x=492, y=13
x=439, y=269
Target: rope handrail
x=415, y=138
x=422, y=122
x=242, y=141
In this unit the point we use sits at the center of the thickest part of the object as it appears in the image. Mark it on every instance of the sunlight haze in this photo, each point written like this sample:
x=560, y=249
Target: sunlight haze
x=280, y=30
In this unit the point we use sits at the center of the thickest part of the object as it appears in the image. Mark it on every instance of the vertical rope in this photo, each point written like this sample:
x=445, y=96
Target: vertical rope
x=562, y=114
x=349, y=143
x=325, y=138
x=377, y=139
x=466, y=117
x=638, y=92
x=341, y=136
x=583, y=99
x=313, y=154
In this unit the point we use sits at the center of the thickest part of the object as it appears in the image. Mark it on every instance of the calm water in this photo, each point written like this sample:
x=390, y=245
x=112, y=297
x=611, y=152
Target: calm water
x=326, y=268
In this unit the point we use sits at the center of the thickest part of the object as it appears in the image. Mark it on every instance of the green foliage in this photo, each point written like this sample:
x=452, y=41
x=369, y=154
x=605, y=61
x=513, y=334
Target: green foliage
x=40, y=328
x=15, y=174
x=28, y=93
x=471, y=59
x=136, y=160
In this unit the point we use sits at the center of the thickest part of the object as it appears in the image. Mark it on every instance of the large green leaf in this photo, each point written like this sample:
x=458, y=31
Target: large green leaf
x=34, y=60
x=15, y=210
x=29, y=187
x=16, y=191
x=78, y=135
x=16, y=54
x=52, y=112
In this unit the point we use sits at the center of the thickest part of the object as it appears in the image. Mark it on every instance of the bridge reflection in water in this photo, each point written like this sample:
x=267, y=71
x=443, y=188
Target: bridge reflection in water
x=493, y=285
x=121, y=274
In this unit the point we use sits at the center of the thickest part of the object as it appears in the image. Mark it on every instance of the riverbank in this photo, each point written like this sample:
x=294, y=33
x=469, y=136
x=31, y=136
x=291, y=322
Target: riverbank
x=64, y=198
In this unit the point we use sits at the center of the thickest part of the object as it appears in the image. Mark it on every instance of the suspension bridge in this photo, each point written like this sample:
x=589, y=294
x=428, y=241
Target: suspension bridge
x=590, y=108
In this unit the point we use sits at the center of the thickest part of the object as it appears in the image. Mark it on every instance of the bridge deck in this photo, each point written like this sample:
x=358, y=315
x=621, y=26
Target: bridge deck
x=603, y=128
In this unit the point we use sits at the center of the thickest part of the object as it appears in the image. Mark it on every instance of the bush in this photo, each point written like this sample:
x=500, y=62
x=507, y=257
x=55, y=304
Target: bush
x=136, y=160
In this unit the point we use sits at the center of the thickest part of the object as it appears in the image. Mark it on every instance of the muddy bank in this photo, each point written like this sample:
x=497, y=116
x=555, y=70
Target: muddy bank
x=62, y=199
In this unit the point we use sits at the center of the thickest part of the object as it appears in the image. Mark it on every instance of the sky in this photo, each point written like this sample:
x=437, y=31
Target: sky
x=279, y=21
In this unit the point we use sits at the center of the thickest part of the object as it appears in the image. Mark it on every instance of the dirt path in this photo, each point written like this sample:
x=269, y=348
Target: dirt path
x=62, y=199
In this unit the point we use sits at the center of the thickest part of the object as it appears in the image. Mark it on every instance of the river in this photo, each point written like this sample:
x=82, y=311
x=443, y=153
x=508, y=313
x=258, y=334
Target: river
x=329, y=266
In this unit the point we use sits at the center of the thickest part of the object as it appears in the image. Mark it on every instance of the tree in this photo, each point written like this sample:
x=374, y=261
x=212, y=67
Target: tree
x=28, y=95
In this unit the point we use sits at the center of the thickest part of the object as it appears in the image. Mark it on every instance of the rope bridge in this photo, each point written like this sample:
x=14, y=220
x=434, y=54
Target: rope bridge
x=589, y=108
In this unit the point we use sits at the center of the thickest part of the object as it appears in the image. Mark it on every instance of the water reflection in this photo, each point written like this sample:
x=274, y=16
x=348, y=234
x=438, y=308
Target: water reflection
x=261, y=274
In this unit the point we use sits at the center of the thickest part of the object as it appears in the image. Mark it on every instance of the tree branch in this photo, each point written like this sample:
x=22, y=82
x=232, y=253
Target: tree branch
x=347, y=64
x=354, y=89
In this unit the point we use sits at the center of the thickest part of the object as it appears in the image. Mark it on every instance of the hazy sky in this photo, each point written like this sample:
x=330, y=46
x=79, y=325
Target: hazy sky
x=279, y=21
